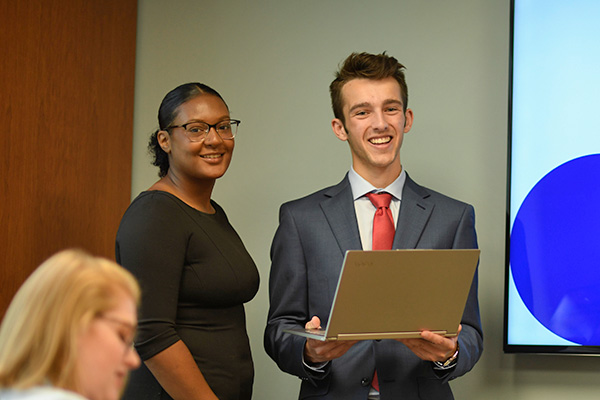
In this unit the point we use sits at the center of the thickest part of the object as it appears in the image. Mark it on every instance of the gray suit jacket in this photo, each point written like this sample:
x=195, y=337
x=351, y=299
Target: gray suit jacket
x=307, y=254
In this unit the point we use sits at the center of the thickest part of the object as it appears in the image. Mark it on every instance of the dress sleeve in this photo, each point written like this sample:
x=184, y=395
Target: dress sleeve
x=151, y=243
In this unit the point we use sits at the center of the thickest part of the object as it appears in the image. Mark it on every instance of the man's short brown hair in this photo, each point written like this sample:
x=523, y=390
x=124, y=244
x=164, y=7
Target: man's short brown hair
x=366, y=66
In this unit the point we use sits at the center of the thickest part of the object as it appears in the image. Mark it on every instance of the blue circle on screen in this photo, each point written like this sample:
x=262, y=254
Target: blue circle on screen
x=555, y=250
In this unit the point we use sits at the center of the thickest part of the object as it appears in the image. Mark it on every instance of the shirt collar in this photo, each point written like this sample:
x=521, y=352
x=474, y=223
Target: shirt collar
x=360, y=186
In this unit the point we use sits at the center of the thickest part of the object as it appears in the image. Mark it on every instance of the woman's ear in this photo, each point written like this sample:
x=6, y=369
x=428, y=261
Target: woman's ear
x=164, y=141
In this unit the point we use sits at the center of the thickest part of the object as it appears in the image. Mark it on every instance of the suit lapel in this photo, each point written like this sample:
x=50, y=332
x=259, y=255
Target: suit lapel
x=415, y=210
x=338, y=208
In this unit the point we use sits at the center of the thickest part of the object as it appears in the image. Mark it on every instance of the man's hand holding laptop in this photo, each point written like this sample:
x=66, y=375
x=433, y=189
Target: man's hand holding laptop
x=317, y=351
x=433, y=347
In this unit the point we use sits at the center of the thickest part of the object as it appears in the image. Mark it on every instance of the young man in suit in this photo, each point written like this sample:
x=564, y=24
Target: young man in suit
x=369, y=99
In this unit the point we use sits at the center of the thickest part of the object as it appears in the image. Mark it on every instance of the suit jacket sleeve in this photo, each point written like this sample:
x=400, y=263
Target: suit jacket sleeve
x=470, y=339
x=288, y=297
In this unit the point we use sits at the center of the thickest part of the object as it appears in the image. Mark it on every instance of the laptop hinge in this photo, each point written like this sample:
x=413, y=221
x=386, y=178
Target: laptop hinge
x=387, y=335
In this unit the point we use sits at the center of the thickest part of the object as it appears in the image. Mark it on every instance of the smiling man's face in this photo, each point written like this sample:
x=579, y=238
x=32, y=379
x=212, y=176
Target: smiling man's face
x=375, y=127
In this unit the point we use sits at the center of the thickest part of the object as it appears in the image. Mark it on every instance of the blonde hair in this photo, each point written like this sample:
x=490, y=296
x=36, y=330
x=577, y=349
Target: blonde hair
x=39, y=333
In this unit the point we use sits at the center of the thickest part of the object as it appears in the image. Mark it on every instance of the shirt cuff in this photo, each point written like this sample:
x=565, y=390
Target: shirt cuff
x=318, y=367
x=449, y=363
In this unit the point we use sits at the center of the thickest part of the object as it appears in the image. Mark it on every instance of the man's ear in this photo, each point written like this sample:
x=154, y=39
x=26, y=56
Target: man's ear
x=338, y=128
x=164, y=141
x=409, y=117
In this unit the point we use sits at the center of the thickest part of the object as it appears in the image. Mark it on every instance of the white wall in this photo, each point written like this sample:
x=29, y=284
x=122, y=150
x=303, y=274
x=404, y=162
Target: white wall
x=273, y=61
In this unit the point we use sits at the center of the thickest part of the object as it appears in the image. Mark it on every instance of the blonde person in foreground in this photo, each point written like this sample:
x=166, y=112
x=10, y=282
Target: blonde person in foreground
x=68, y=332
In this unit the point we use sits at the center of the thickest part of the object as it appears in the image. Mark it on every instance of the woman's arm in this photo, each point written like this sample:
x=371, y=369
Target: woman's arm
x=152, y=243
x=178, y=374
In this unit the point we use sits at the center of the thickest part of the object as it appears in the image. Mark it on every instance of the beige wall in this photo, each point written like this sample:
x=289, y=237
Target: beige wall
x=273, y=60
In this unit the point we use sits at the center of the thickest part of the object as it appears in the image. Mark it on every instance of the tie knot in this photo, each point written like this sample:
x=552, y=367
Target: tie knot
x=380, y=200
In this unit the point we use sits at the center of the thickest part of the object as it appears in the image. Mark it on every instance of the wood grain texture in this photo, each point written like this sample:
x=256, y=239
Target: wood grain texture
x=67, y=74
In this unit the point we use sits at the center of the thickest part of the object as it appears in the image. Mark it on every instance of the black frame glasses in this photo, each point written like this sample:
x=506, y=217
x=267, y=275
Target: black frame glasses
x=197, y=131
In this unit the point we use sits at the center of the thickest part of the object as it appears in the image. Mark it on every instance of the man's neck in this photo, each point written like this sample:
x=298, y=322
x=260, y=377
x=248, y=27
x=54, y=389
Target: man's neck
x=380, y=178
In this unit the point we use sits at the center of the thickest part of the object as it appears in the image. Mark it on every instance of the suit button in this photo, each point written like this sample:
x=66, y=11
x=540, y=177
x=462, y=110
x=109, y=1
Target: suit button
x=365, y=382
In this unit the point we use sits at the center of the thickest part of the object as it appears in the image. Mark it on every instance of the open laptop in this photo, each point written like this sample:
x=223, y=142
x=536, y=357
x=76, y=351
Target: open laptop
x=392, y=294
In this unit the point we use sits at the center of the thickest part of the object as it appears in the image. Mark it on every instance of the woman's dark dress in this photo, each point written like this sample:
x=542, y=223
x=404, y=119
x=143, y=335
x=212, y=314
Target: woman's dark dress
x=195, y=275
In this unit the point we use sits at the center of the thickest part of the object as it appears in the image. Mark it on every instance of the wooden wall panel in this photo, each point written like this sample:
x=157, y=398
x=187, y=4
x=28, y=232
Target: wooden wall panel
x=67, y=72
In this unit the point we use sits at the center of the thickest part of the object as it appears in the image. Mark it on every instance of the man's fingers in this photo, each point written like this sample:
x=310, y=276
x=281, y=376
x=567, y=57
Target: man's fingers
x=314, y=323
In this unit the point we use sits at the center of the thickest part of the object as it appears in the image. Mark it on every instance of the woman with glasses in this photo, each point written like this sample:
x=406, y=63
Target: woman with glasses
x=193, y=268
x=68, y=332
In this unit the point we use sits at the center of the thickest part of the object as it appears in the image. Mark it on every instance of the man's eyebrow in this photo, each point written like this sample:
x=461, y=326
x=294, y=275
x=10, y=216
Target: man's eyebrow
x=359, y=105
x=393, y=101
x=367, y=104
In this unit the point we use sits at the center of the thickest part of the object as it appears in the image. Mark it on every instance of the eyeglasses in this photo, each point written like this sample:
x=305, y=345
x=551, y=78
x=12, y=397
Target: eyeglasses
x=126, y=332
x=198, y=131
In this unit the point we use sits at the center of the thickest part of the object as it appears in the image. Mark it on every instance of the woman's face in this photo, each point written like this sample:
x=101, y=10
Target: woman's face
x=204, y=160
x=106, y=353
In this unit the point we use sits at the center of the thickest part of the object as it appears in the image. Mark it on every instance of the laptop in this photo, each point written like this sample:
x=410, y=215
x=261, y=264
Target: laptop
x=392, y=294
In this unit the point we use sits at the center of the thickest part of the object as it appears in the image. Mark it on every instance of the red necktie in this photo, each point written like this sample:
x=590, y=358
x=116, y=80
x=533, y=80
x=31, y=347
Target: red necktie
x=383, y=234
x=383, y=222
